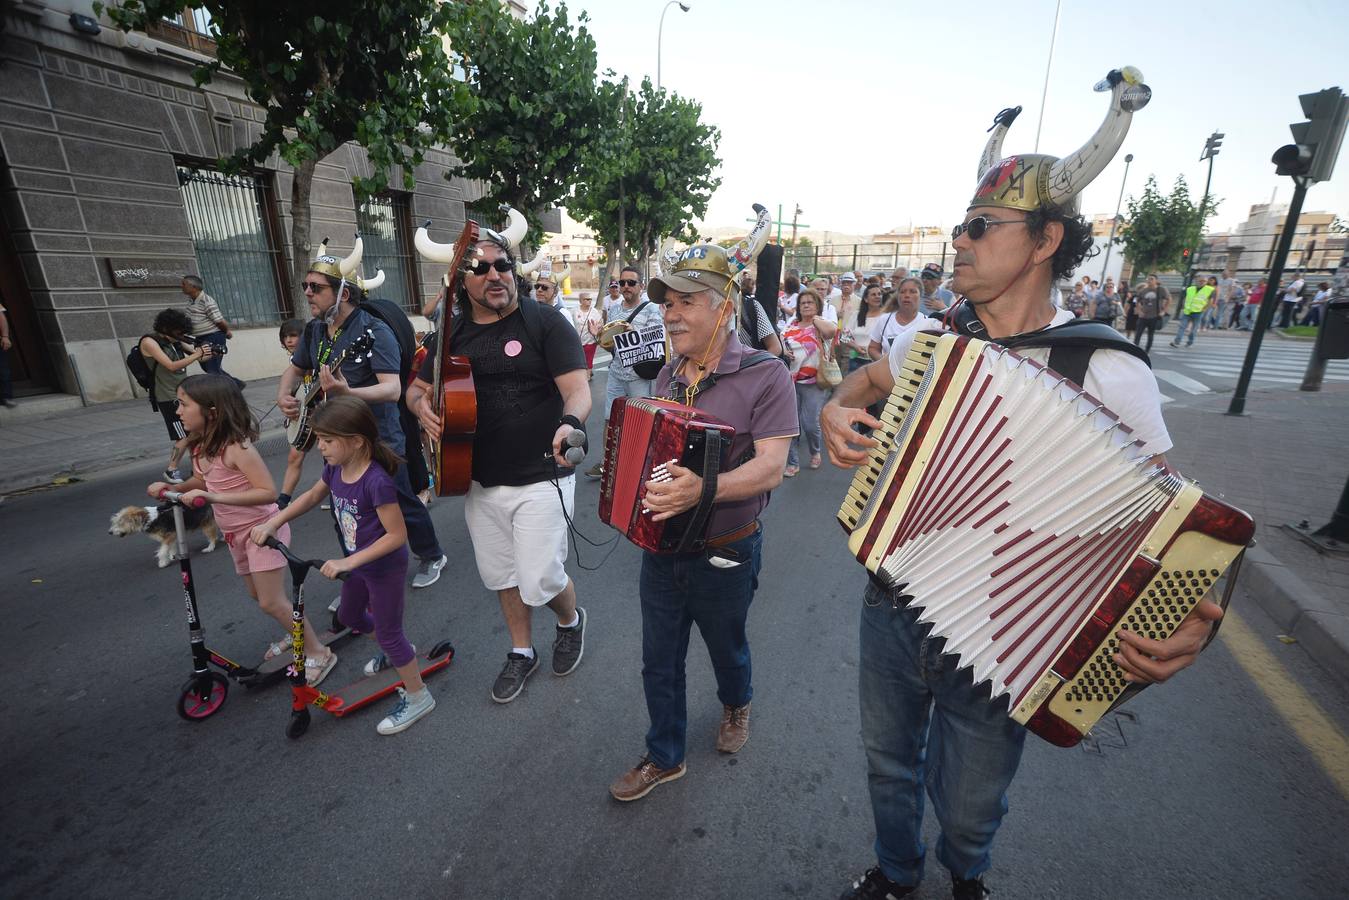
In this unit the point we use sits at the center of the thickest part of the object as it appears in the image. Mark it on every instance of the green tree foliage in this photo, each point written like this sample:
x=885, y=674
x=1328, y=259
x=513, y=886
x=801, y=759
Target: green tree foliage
x=535, y=105
x=1161, y=227
x=370, y=71
x=651, y=177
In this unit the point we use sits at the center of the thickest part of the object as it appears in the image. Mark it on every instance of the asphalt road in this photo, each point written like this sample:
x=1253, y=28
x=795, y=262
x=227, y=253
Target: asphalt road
x=1208, y=793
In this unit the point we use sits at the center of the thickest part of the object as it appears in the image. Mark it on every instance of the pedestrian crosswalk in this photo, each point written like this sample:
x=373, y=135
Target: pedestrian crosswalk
x=1214, y=363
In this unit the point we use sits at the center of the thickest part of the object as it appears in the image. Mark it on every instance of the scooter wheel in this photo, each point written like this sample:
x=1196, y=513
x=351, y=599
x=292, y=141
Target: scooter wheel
x=202, y=696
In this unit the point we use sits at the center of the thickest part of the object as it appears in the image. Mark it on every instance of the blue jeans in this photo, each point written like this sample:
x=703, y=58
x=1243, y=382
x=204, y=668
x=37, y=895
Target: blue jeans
x=615, y=388
x=1190, y=321
x=926, y=725
x=810, y=400
x=214, y=365
x=1248, y=313
x=678, y=590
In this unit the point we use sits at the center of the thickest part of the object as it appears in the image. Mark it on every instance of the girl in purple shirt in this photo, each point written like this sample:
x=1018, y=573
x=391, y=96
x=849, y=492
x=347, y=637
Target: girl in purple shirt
x=358, y=475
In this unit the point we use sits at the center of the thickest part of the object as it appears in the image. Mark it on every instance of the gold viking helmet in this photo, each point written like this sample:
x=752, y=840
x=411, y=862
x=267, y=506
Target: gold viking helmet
x=1031, y=181
x=342, y=269
x=709, y=266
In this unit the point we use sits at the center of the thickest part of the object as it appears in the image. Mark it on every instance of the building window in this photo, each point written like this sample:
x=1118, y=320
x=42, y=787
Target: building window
x=188, y=27
x=234, y=236
x=384, y=227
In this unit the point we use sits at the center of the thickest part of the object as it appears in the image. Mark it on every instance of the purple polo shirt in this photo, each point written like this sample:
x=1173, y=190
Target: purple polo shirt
x=759, y=402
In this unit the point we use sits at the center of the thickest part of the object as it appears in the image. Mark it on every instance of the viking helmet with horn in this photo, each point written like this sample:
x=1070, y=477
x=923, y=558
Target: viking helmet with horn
x=708, y=265
x=369, y=284
x=345, y=270
x=1032, y=181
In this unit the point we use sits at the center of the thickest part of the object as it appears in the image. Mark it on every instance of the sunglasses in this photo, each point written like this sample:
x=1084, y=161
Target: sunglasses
x=502, y=264
x=312, y=286
x=628, y=282
x=979, y=225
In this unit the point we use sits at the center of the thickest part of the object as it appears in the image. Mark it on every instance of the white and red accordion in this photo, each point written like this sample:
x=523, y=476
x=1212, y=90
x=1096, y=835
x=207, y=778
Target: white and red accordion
x=643, y=435
x=1028, y=525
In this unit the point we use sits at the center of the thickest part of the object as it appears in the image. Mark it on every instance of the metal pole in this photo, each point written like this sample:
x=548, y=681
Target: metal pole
x=1058, y=6
x=1203, y=214
x=660, y=33
x=1271, y=298
x=1105, y=267
x=1316, y=366
x=1338, y=526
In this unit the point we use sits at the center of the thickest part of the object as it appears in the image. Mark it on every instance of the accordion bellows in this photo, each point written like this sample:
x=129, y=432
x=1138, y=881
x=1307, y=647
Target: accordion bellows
x=1028, y=525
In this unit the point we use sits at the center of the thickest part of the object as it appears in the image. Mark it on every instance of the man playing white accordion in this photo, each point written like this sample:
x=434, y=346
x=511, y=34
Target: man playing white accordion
x=924, y=720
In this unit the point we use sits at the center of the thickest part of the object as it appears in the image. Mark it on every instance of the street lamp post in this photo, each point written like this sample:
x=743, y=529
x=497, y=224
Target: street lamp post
x=660, y=33
x=1114, y=223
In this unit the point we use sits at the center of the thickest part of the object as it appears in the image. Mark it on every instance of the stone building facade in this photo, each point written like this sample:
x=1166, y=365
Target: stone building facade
x=109, y=193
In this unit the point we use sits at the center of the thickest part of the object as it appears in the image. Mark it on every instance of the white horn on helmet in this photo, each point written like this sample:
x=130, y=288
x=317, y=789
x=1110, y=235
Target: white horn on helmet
x=993, y=149
x=517, y=226
x=1069, y=175
x=743, y=253
x=352, y=263
x=369, y=284
x=527, y=268
x=429, y=249
x=323, y=247
x=560, y=276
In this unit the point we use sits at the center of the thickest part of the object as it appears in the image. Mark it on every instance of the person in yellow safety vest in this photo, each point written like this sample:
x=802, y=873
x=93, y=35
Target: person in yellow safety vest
x=1197, y=297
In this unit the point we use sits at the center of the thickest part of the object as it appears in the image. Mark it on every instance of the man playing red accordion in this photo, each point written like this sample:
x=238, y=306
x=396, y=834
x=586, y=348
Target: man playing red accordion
x=751, y=391
x=924, y=721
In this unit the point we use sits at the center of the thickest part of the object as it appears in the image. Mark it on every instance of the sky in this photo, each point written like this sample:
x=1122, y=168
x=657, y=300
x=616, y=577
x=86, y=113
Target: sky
x=872, y=115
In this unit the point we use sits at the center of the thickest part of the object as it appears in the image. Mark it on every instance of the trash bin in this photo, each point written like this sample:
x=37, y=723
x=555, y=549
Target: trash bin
x=1332, y=339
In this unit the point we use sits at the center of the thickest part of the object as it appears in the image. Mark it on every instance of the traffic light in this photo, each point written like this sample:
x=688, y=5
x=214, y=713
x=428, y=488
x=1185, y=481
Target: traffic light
x=1316, y=143
x=1211, y=146
x=1185, y=254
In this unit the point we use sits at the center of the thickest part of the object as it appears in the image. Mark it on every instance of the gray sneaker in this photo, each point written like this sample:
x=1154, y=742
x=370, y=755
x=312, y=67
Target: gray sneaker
x=595, y=471
x=428, y=571
x=406, y=712
x=569, y=645
x=513, y=676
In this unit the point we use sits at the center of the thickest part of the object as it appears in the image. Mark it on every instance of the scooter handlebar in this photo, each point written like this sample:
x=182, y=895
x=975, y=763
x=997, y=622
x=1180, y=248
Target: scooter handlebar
x=176, y=497
x=315, y=564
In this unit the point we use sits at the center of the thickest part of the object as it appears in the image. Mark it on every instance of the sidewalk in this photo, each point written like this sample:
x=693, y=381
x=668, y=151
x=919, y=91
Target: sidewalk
x=1283, y=462
x=36, y=449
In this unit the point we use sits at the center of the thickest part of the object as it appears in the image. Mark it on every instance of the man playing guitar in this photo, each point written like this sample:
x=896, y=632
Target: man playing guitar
x=373, y=377
x=529, y=377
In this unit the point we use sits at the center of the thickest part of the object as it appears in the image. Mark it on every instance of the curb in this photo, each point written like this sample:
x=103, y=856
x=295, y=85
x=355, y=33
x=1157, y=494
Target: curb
x=11, y=483
x=1298, y=609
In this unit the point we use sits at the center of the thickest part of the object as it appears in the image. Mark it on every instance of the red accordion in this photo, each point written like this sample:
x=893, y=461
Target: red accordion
x=643, y=435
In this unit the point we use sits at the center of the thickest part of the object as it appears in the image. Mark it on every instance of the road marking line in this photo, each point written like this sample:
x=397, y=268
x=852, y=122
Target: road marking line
x=1184, y=382
x=1312, y=726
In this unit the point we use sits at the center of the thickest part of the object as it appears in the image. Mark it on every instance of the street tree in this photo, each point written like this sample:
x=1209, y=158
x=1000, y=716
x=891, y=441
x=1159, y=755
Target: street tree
x=652, y=177
x=1161, y=227
x=370, y=71
x=535, y=107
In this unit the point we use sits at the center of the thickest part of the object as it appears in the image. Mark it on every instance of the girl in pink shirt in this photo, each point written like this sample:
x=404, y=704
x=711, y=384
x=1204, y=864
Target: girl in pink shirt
x=228, y=471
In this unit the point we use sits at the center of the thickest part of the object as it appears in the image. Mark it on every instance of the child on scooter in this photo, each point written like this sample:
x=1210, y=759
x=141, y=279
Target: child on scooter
x=291, y=332
x=228, y=471
x=358, y=476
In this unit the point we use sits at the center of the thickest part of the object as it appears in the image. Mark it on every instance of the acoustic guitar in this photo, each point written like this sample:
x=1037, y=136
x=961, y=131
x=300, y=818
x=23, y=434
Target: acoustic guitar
x=453, y=396
x=300, y=430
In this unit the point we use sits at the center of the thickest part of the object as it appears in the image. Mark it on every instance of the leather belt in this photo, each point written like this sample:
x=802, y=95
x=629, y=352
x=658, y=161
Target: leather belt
x=731, y=537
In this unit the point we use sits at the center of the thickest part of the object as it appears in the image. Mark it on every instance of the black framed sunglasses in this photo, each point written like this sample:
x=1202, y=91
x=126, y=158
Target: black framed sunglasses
x=628, y=282
x=979, y=225
x=502, y=264
x=312, y=286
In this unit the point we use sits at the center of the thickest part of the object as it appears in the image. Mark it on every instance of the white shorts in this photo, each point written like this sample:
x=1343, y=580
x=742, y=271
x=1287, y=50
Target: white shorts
x=520, y=536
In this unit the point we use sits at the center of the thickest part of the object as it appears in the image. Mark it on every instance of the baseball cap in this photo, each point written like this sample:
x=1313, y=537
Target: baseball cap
x=932, y=270
x=847, y=276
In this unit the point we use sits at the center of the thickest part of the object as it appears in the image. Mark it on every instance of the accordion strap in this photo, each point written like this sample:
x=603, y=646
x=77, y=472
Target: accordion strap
x=694, y=538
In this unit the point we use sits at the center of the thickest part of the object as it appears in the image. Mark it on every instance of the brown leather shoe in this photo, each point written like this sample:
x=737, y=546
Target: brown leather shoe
x=638, y=781
x=734, y=730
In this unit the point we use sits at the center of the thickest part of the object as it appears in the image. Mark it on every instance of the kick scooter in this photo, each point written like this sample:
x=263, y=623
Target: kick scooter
x=354, y=696
x=206, y=691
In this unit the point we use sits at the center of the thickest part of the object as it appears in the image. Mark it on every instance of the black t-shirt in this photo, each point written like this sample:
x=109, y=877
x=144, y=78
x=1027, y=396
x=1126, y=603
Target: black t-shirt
x=519, y=404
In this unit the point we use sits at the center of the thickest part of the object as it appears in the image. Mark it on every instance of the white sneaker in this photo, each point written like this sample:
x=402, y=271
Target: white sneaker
x=428, y=571
x=406, y=712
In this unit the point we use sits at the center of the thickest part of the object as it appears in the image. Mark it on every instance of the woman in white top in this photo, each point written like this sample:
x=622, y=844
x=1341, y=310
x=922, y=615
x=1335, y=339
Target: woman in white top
x=588, y=320
x=821, y=287
x=855, y=332
x=904, y=319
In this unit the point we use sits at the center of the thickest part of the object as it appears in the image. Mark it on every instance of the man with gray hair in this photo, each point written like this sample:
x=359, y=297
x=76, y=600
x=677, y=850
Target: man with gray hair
x=751, y=391
x=208, y=326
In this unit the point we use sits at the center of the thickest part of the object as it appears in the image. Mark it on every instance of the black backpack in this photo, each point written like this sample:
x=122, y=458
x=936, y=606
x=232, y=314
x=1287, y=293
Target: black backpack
x=142, y=369
x=392, y=314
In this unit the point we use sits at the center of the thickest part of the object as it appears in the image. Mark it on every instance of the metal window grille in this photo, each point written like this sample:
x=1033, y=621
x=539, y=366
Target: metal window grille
x=382, y=223
x=236, y=250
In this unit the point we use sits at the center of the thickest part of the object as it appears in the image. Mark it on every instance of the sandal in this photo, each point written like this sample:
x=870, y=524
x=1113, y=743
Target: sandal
x=815, y=461
x=790, y=471
x=277, y=648
x=315, y=670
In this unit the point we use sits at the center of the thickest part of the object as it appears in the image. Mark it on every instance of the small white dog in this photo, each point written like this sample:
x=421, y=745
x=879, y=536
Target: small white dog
x=157, y=522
